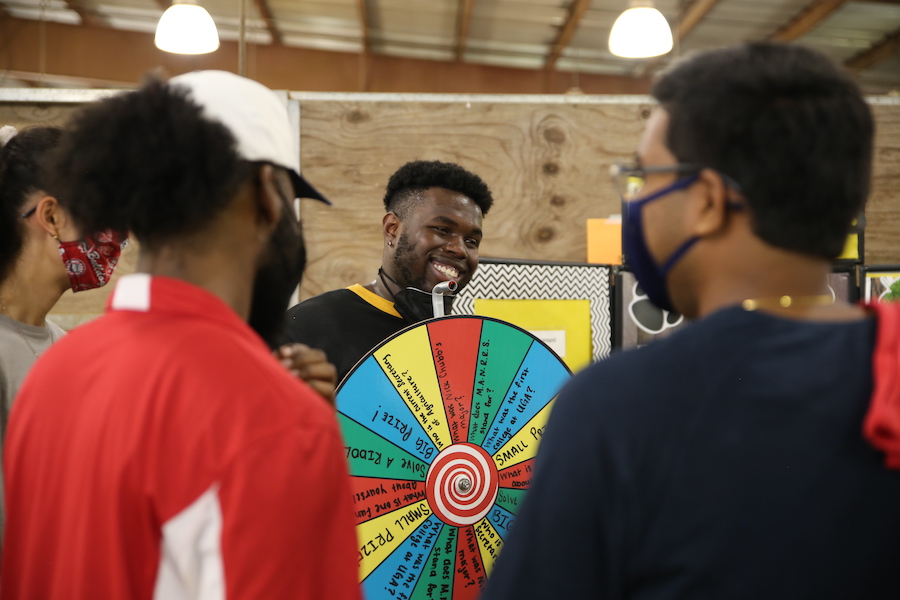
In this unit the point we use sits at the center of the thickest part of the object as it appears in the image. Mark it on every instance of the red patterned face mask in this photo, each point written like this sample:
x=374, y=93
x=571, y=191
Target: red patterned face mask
x=90, y=262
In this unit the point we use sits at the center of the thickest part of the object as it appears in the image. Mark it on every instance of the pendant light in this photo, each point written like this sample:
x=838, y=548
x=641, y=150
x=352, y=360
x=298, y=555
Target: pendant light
x=186, y=28
x=640, y=32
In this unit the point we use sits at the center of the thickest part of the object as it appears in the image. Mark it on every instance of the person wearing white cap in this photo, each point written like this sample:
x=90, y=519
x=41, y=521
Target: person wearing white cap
x=161, y=451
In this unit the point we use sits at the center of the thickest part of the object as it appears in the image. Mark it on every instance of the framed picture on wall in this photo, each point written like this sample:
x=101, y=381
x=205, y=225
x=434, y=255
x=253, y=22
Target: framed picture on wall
x=880, y=282
x=565, y=305
x=637, y=321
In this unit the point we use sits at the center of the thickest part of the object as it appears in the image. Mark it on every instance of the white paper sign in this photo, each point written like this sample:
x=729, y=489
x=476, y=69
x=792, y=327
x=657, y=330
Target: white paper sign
x=555, y=338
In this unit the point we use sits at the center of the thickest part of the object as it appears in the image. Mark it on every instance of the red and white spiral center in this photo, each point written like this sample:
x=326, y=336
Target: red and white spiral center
x=462, y=484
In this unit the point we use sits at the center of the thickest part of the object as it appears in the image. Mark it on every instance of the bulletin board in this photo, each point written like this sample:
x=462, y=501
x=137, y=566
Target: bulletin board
x=555, y=301
x=842, y=283
x=637, y=320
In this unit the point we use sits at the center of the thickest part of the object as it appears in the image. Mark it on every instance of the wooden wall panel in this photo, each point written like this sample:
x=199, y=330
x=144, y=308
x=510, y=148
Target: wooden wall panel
x=546, y=162
x=883, y=208
x=547, y=165
x=105, y=57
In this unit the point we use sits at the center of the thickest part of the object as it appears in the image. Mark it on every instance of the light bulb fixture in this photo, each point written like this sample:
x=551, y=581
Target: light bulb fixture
x=640, y=32
x=186, y=28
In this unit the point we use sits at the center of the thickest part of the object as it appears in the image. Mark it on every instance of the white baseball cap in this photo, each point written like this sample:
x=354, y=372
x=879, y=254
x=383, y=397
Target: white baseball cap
x=256, y=116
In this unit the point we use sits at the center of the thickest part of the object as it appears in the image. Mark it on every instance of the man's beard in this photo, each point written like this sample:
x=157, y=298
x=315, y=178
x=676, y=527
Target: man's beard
x=403, y=258
x=276, y=279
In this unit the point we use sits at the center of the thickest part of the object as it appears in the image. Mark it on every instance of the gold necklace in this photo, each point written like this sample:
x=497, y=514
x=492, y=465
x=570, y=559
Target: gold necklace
x=19, y=329
x=752, y=304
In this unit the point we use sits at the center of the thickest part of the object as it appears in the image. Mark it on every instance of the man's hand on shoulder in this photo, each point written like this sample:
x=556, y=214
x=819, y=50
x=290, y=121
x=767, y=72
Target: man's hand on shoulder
x=312, y=366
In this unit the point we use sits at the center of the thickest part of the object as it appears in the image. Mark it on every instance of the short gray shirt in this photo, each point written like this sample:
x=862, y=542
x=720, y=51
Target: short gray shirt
x=19, y=345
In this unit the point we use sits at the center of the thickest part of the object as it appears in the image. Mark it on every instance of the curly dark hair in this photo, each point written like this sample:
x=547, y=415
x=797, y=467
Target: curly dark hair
x=405, y=187
x=788, y=125
x=23, y=171
x=147, y=162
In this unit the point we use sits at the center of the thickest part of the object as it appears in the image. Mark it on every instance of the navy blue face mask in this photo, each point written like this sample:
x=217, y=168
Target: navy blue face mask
x=651, y=276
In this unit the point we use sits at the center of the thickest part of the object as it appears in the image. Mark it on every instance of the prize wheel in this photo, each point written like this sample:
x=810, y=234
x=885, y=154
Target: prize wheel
x=441, y=424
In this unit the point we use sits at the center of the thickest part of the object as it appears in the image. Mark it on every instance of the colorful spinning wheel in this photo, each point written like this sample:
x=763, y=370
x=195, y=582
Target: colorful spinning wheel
x=441, y=424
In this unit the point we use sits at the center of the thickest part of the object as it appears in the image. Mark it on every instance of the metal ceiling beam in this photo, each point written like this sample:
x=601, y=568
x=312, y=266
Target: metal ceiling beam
x=879, y=52
x=89, y=16
x=462, y=31
x=263, y=7
x=690, y=17
x=363, y=10
x=576, y=12
x=806, y=20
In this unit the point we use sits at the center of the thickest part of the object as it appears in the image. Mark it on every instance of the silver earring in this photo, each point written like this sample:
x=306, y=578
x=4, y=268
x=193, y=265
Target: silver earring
x=391, y=244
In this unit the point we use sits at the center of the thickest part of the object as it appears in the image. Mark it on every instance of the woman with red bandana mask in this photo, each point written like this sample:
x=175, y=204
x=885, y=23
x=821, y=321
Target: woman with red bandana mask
x=41, y=256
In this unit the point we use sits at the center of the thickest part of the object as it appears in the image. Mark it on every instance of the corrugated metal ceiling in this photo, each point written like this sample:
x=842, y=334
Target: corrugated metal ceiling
x=522, y=33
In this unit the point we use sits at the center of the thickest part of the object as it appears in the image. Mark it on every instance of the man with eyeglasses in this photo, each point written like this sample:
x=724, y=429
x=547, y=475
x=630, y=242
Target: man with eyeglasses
x=749, y=455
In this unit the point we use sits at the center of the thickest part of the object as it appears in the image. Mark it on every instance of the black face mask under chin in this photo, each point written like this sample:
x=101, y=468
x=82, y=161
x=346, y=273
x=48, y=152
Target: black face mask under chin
x=279, y=273
x=413, y=304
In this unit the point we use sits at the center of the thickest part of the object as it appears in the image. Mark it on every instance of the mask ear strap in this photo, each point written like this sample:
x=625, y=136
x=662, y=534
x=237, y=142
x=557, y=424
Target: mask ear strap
x=670, y=262
x=382, y=275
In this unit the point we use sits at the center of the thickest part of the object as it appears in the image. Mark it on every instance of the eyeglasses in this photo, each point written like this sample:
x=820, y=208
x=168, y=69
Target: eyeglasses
x=30, y=212
x=630, y=178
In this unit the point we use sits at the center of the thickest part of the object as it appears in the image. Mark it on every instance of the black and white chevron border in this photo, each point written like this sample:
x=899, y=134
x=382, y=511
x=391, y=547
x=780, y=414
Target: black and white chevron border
x=507, y=281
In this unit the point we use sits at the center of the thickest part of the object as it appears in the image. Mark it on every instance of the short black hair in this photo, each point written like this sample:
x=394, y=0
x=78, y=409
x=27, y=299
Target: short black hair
x=23, y=171
x=788, y=125
x=148, y=162
x=407, y=184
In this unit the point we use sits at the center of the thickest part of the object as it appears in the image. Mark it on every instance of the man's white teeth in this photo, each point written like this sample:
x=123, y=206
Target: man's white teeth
x=448, y=271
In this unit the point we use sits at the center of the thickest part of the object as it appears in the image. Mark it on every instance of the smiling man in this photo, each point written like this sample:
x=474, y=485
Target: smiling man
x=432, y=231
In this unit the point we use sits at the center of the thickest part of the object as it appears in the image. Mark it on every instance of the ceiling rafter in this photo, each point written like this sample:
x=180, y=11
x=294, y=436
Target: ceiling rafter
x=806, y=20
x=879, y=52
x=462, y=32
x=89, y=16
x=363, y=10
x=266, y=13
x=576, y=12
x=690, y=17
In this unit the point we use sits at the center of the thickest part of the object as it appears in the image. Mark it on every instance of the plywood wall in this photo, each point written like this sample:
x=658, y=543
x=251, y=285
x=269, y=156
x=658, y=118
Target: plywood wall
x=547, y=163
x=883, y=208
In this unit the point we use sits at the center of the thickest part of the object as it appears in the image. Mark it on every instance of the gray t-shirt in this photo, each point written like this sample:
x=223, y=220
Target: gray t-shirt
x=20, y=346
x=19, y=343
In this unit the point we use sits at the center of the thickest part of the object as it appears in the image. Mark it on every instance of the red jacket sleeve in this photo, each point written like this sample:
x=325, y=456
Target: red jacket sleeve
x=882, y=423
